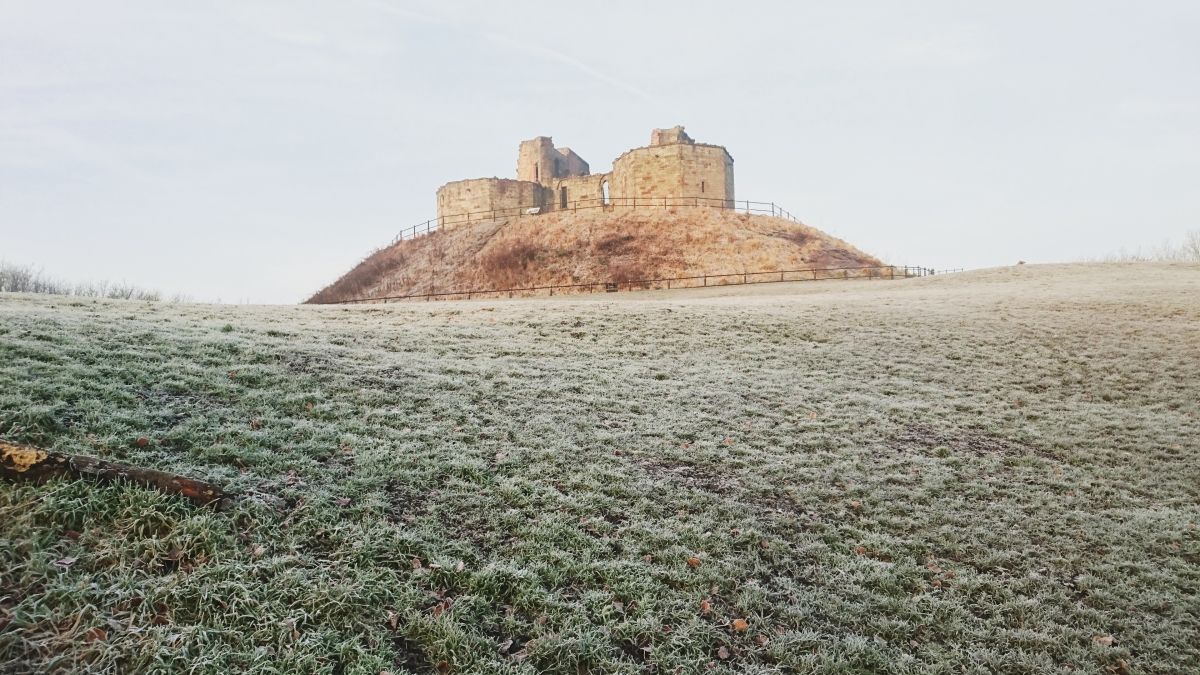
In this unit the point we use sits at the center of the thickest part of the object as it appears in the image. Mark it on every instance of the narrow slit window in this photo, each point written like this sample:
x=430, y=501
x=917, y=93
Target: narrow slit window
x=701, y=187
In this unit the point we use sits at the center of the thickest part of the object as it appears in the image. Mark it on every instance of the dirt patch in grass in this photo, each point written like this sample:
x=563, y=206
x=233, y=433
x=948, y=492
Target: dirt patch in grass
x=927, y=439
x=677, y=474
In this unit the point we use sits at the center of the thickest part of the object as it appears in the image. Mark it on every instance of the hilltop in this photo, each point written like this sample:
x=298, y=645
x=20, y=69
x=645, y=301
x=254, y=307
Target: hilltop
x=591, y=246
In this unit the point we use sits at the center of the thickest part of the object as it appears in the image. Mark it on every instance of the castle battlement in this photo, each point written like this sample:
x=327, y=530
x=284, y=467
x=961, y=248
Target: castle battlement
x=550, y=178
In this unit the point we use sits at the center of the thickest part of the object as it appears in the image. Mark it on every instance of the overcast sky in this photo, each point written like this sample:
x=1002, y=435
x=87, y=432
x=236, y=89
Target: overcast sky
x=254, y=151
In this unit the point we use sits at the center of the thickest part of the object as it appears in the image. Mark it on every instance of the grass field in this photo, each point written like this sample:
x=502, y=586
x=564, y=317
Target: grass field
x=995, y=471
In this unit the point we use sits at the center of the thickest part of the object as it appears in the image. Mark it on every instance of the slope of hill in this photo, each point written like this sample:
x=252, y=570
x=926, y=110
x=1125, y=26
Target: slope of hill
x=989, y=472
x=591, y=247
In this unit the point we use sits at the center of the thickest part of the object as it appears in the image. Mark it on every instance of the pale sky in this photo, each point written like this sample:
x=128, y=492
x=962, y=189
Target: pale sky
x=254, y=151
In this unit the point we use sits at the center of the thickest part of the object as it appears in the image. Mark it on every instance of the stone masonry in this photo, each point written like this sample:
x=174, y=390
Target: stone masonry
x=673, y=169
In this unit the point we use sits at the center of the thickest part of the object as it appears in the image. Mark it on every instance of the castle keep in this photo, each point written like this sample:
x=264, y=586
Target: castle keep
x=673, y=170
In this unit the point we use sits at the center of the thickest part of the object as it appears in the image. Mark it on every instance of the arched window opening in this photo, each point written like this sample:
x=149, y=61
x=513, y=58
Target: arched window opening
x=604, y=193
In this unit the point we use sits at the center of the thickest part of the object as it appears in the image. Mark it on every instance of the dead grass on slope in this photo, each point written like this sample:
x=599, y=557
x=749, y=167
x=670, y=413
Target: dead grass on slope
x=592, y=247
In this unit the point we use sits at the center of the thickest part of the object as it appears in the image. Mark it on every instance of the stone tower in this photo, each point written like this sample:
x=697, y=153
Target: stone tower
x=538, y=161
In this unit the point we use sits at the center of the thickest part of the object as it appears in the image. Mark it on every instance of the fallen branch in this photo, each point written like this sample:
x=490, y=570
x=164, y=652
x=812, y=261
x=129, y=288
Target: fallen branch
x=26, y=463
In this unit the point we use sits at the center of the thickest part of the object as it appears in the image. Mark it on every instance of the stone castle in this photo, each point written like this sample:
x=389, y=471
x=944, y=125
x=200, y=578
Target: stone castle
x=673, y=169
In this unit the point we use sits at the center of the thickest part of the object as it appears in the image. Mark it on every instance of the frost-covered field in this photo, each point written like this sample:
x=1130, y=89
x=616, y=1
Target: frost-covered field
x=987, y=472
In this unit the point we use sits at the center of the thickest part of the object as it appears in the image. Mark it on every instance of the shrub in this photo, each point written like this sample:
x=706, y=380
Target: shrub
x=27, y=279
x=505, y=266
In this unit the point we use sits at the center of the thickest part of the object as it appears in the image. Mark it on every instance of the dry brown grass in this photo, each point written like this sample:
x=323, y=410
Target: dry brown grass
x=592, y=247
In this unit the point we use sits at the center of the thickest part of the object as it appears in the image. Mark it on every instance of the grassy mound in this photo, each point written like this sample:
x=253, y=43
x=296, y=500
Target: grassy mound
x=591, y=247
x=987, y=472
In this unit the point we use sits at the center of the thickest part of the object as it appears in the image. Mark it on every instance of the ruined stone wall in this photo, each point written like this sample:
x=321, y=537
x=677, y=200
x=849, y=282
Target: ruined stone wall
x=572, y=164
x=535, y=160
x=674, y=170
x=479, y=195
x=585, y=189
x=540, y=162
x=672, y=166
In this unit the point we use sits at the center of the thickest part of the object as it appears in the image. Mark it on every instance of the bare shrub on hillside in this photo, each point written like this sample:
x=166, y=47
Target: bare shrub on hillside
x=359, y=281
x=625, y=272
x=613, y=244
x=1187, y=250
x=27, y=279
x=506, y=265
x=799, y=237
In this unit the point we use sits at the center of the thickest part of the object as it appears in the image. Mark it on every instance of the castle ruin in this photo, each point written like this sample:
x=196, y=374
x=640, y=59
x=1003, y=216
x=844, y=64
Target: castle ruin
x=673, y=169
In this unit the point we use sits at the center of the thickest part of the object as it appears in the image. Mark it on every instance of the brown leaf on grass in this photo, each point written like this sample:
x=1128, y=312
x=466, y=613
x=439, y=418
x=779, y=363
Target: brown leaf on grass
x=648, y=558
x=95, y=635
x=258, y=550
x=72, y=535
x=65, y=562
x=460, y=566
x=416, y=564
x=740, y=625
x=1121, y=667
x=142, y=442
x=764, y=544
x=728, y=440
x=855, y=504
x=443, y=666
x=441, y=608
x=693, y=562
x=860, y=550
x=342, y=501
x=393, y=619
x=761, y=640
x=256, y=424
x=723, y=653
x=705, y=607
x=505, y=646
x=1103, y=640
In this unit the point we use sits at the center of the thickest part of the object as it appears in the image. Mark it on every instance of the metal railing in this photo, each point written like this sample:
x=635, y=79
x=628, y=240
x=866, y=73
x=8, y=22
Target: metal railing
x=609, y=203
x=672, y=283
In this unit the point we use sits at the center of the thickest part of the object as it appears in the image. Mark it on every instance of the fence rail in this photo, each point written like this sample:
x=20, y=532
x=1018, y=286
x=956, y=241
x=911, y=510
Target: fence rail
x=673, y=283
x=606, y=203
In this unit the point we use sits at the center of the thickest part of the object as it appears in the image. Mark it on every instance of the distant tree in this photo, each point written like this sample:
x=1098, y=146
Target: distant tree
x=16, y=278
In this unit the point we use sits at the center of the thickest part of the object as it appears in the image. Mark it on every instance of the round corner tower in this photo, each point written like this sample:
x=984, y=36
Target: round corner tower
x=674, y=165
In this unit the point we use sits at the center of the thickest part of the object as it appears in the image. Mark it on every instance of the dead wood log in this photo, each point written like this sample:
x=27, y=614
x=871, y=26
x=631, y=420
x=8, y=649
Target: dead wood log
x=26, y=463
